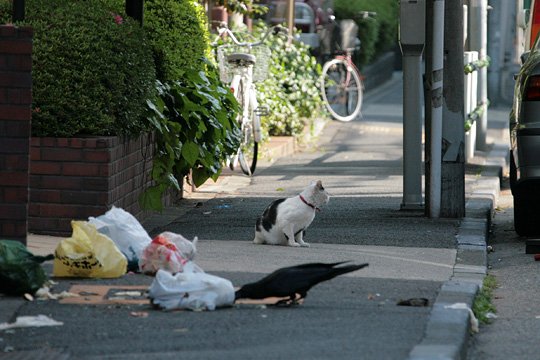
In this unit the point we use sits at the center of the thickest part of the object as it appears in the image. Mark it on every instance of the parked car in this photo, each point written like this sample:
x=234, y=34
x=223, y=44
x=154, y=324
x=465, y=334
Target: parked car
x=525, y=145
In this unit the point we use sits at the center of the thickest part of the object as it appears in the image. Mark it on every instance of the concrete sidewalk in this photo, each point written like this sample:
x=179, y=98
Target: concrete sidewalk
x=360, y=164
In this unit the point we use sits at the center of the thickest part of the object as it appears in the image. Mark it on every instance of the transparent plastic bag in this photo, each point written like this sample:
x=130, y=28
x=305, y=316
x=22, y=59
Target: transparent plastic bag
x=167, y=251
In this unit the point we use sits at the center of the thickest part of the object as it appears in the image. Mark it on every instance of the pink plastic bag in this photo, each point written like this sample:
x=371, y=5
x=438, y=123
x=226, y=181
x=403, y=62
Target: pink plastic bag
x=168, y=251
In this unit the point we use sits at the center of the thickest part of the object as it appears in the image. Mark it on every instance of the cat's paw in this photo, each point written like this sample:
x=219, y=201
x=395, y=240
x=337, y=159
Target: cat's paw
x=304, y=244
x=294, y=244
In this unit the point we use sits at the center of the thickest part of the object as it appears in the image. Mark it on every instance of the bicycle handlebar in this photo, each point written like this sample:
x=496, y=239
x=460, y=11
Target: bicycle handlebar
x=275, y=30
x=362, y=14
x=366, y=14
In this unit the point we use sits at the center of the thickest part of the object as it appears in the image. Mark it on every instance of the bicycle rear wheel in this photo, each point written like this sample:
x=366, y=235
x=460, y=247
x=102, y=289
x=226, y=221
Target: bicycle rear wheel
x=248, y=150
x=248, y=157
x=342, y=90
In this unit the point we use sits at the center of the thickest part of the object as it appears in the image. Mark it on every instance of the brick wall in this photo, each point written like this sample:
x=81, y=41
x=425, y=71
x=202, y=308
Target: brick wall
x=74, y=178
x=15, y=125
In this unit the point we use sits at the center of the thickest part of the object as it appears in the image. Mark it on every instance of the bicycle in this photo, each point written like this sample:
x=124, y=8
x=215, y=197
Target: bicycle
x=242, y=64
x=341, y=82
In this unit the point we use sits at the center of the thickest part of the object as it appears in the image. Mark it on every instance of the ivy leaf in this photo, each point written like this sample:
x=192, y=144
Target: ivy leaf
x=199, y=176
x=151, y=198
x=190, y=152
x=173, y=181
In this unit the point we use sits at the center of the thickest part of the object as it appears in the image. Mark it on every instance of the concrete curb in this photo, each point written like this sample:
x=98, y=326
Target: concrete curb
x=448, y=330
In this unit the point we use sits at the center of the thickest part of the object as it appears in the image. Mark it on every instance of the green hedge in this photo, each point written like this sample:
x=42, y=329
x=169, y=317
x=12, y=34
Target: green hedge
x=291, y=90
x=5, y=11
x=92, y=69
x=377, y=34
x=179, y=36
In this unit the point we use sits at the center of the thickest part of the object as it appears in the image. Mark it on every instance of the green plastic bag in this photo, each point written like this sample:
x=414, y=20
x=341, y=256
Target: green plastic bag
x=20, y=270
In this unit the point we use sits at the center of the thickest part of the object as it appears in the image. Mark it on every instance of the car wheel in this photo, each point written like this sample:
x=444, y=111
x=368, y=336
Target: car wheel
x=526, y=212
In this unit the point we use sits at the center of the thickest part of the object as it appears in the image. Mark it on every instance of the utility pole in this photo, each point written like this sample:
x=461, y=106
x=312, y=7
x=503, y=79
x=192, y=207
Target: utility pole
x=433, y=105
x=453, y=134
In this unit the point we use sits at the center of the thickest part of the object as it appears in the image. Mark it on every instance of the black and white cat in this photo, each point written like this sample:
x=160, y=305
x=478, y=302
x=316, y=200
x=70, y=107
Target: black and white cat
x=284, y=221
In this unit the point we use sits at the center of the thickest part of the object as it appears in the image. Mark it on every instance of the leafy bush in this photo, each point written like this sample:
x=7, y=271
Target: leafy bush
x=247, y=7
x=5, y=11
x=92, y=69
x=377, y=34
x=179, y=35
x=195, y=124
x=291, y=90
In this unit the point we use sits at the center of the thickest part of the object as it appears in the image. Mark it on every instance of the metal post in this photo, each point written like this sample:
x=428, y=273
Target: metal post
x=412, y=39
x=478, y=42
x=18, y=10
x=436, y=109
x=453, y=165
x=290, y=17
x=470, y=99
x=412, y=132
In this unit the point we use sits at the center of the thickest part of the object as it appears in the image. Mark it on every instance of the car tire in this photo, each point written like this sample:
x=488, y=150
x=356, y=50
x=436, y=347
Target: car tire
x=526, y=214
x=513, y=173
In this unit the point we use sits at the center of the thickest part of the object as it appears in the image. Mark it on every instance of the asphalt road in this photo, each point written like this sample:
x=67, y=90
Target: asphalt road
x=514, y=333
x=347, y=318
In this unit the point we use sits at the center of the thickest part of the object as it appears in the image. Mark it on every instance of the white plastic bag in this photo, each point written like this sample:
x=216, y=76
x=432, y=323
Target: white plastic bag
x=190, y=290
x=126, y=232
x=167, y=251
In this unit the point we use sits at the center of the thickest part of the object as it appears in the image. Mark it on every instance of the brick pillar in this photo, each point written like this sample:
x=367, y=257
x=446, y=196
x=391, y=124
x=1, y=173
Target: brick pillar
x=15, y=129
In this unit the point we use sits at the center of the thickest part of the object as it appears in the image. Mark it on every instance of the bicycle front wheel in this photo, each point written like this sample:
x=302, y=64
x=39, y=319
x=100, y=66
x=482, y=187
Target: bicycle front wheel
x=342, y=90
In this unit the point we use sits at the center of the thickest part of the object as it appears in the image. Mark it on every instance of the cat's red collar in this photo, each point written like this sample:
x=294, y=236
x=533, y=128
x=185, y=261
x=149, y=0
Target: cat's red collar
x=308, y=204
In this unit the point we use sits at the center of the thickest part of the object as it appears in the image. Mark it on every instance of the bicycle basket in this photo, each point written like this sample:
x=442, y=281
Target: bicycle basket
x=349, y=32
x=260, y=69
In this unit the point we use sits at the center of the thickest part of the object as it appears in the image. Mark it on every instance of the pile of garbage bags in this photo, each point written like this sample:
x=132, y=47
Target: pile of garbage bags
x=115, y=242
x=109, y=246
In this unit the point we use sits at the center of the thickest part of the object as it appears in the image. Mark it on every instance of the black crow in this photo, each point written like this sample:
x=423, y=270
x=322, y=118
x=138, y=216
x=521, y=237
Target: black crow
x=293, y=280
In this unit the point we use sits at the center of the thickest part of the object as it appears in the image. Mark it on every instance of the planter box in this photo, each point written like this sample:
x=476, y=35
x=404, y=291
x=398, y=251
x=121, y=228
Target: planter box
x=74, y=178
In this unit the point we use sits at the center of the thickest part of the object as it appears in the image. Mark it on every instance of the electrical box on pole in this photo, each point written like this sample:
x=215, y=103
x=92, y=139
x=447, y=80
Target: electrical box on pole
x=412, y=37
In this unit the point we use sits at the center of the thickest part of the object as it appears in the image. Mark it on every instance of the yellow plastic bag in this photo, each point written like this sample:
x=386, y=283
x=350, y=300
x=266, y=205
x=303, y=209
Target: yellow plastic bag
x=87, y=253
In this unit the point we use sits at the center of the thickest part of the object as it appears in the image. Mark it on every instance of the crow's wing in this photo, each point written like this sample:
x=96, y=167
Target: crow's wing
x=290, y=280
x=294, y=279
